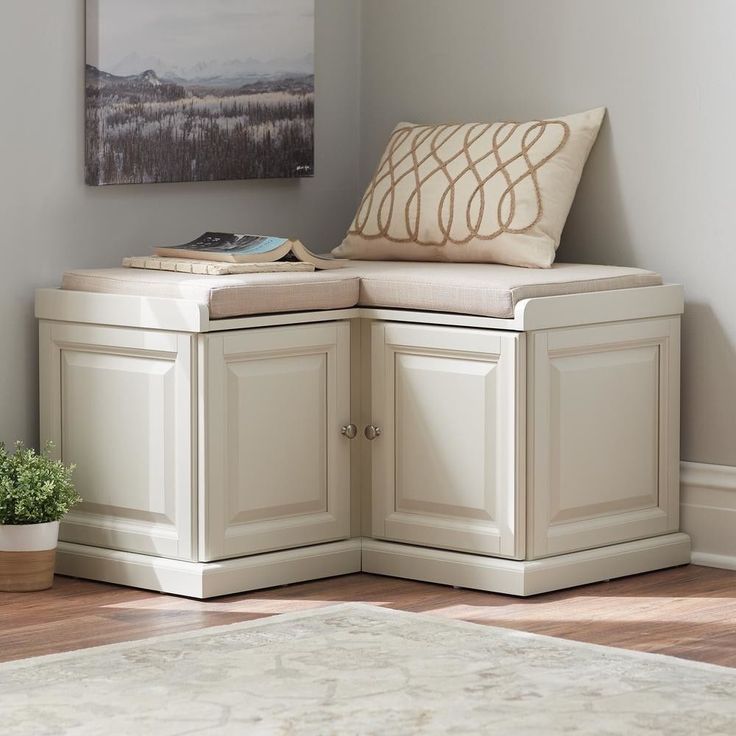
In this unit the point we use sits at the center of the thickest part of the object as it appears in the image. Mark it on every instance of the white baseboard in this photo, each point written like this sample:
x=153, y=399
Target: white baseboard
x=726, y=562
x=708, y=513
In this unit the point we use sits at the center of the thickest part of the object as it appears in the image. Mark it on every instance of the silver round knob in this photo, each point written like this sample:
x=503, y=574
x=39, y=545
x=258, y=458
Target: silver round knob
x=371, y=432
x=350, y=431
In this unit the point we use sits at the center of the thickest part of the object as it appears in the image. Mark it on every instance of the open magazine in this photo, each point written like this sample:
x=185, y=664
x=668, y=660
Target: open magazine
x=237, y=248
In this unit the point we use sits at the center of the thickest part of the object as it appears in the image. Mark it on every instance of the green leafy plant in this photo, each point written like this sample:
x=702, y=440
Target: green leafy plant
x=34, y=488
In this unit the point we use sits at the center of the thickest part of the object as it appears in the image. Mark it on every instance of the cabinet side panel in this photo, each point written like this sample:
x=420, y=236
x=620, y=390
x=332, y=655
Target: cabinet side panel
x=122, y=414
x=603, y=415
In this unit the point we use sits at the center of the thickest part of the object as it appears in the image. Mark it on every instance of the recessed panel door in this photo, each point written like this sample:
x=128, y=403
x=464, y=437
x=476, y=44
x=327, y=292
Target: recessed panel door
x=275, y=470
x=447, y=463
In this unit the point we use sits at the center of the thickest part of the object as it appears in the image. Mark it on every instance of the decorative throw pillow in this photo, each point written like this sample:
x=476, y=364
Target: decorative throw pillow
x=476, y=192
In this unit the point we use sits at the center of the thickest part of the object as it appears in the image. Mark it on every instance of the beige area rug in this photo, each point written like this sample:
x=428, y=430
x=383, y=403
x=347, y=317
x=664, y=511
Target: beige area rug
x=358, y=669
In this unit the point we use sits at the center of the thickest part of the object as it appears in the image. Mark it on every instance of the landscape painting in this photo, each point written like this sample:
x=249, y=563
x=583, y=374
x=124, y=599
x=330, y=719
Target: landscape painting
x=199, y=90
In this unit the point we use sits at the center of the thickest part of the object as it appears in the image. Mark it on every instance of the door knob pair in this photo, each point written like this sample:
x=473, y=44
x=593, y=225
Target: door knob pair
x=351, y=431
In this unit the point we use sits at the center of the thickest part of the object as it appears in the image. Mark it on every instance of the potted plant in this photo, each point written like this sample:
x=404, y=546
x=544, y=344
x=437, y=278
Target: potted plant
x=35, y=493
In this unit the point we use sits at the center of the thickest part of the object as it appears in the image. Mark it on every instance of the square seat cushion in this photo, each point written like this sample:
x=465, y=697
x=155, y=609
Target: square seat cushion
x=473, y=192
x=234, y=295
x=487, y=290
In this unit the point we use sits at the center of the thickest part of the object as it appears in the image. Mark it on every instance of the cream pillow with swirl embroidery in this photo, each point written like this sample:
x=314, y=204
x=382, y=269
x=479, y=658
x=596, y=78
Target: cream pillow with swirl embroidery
x=474, y=192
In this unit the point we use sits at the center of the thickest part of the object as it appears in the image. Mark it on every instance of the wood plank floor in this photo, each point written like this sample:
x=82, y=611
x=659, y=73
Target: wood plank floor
x=687, y=612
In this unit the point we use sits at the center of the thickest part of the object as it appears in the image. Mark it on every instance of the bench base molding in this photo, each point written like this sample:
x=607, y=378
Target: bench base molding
x=524, y=578
x=511, y=577
x=209, y=579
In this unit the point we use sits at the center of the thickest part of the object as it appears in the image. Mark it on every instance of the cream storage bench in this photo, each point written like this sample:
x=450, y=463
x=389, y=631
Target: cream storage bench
x=507, y=429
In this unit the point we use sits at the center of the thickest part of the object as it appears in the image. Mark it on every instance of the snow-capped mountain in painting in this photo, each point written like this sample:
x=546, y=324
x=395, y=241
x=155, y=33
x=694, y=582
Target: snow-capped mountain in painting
x=230, y=69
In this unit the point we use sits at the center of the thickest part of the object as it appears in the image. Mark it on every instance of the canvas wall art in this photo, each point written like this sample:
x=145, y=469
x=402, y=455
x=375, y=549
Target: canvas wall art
x=199, y=90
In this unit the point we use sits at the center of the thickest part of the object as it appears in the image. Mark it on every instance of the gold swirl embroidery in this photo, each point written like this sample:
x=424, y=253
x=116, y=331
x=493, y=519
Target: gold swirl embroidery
x=413, y=149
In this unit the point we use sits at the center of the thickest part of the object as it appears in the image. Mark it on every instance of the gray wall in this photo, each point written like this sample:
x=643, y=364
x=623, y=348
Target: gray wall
x=659, y=191
x=49, y=220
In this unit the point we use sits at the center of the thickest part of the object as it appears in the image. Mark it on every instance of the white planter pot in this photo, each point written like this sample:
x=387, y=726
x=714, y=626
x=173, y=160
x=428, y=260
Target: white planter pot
x=29, y=537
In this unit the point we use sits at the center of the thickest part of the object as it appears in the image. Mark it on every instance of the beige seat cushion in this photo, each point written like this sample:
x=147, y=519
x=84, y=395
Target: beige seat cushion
x=489, y=290
x=227, y=296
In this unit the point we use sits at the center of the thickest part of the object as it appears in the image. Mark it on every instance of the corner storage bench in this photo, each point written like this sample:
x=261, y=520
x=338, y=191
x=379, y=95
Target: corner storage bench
x=491, y=427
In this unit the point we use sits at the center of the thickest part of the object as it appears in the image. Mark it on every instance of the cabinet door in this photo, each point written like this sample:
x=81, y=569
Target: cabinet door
x=447, y=466
x=117, y=402
x=275, y=469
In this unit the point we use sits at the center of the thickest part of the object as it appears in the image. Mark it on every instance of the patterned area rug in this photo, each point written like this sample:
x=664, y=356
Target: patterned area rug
x=357, y=669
